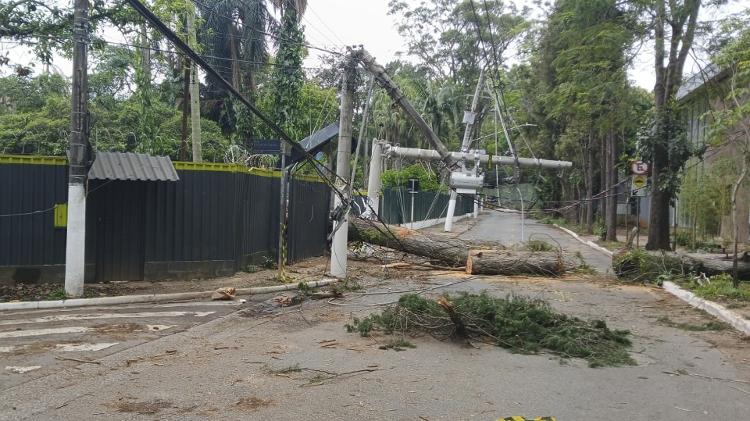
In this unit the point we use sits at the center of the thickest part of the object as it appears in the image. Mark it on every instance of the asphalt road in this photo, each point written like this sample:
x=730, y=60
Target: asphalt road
x=506, y=228
x=259, y=362
x=34, y=344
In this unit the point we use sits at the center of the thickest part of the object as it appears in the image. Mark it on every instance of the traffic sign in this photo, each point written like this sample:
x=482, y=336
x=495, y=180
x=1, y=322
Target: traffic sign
x=638, y=185
x=639, y=168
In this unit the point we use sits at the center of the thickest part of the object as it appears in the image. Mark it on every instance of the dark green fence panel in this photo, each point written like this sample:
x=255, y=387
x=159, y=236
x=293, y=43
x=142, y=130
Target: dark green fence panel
x=307, y=220
x=210, y=223
x=396, y=205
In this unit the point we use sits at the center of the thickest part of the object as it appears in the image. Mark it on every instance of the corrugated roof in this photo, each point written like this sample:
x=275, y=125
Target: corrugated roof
x=697, y=80
x=315, y=142
x=132, y=166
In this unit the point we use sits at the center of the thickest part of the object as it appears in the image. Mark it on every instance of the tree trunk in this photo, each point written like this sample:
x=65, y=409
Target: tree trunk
x=145, y=54
x=735, y=224
x=456, y=252
x=185, y=111
x=506, y=262
x=590, y=187
x=603, y=180
x=683, y=22
x=612, y=187
x=195, y=111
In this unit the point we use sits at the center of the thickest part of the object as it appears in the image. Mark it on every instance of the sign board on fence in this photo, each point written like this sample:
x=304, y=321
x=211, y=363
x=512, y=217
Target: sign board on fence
x=639, y=184
x=265, y=146
x=639, y=168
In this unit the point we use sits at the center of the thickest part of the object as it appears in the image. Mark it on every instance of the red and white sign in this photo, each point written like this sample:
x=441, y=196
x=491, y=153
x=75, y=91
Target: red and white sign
x=639, y=168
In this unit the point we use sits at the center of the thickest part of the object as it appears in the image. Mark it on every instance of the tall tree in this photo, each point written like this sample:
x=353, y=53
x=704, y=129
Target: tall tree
x=675, y=23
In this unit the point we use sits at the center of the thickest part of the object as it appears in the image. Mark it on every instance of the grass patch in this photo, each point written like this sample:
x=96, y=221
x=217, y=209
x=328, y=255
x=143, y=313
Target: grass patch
x=294, y=368
x=399, y=344
x=720, y=287
x=538, y=245
x=712, y=325
x=517, y=323
x=348, y=285
x=58, y=294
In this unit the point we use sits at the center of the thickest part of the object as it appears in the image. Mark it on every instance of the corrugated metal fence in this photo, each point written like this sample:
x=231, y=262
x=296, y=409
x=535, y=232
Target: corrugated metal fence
x=216, y=220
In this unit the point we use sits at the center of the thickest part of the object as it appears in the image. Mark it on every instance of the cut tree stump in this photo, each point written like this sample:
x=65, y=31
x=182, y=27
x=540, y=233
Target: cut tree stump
x=455, y=252
x=507, y=262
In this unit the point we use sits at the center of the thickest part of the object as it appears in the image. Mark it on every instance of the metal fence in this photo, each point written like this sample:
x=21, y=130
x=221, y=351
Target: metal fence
x=216, y=220
x=396, y=205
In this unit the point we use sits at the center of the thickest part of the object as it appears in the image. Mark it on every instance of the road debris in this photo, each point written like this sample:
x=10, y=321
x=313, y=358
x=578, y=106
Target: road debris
x=22, y=370
x=518, y=323
x=225, y=294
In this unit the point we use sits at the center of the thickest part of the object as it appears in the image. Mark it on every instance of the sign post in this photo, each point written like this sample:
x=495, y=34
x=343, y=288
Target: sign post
x=638, y=186
x=413, y=190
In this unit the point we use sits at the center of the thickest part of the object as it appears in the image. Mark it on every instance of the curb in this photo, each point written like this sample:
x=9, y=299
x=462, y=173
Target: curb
x=710, y=307
x=587, y=242
x=150, y=298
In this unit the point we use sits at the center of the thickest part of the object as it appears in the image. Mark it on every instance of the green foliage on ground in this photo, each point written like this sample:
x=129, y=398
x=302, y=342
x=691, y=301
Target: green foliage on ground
x=708, y=326
x=639, y=265
x=517, y=323
x=399, y=344
x=721, y=287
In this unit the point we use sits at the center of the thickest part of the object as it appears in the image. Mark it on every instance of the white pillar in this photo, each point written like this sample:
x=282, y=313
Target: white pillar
x=373, y=183
x=476, y=206
x=451, y=211
x=75, y=244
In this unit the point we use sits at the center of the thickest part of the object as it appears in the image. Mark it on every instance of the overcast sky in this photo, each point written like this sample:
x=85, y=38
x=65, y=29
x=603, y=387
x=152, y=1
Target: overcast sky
x=347, y=22
x=335, y=23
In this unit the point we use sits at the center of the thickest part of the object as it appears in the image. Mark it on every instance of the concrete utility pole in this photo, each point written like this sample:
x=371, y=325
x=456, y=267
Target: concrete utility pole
x=75, y=243
x=341, y=227
x=382, y=77
x=470, y=119
x=195, y=96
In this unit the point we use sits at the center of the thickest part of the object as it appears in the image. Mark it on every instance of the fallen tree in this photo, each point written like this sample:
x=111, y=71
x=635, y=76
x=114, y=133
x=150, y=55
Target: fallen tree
x=645, y=265
x=456, y=252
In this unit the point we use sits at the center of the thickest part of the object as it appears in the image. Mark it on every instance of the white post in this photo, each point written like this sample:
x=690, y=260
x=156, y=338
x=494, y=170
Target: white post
x=523, y=217
x=373, y=183
x=476, y=206
x=451, y=211
x=339, y=244
x=412, y=211
x=75, y=243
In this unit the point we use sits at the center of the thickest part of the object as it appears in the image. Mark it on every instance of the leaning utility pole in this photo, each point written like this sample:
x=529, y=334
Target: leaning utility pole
x=341, y=226
x=75, y=242
x=470, y=120
x=382, y=77
x=195, y=96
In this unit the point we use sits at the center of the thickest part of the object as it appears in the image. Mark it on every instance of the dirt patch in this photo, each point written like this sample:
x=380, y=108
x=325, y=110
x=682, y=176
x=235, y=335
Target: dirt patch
x=142, y=408
x=117, y=329
x=252, y=403
x=54, y=291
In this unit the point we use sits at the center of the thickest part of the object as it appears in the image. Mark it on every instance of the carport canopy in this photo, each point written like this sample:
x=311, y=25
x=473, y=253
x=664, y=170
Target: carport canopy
x=132, y=167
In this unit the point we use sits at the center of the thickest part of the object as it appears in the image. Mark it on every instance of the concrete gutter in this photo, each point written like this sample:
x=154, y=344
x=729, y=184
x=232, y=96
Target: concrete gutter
x=710, y=307
x=150, y=298
x=589, y=243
